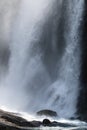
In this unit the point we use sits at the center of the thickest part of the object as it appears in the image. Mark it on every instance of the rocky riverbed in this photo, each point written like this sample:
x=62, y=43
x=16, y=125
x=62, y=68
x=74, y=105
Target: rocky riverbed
x=14, y=121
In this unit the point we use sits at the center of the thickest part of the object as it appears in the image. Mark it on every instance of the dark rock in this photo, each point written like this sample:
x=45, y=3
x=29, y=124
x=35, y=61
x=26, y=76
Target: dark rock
x=19, y=121
x=82, y=117
x=8, y=128
x=36, y=123
x=46, y=122
x=16, y=120
x=82, y=98
x=55, y=124
x=47, y=113
x=9, y=121
x=73, y=118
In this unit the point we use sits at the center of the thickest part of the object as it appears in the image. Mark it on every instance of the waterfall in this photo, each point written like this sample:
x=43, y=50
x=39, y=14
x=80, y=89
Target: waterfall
x=44, y=65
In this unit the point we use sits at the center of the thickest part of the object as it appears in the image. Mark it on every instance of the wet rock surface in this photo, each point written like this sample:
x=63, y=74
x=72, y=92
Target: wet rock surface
x=46, y=112
x=11, y=121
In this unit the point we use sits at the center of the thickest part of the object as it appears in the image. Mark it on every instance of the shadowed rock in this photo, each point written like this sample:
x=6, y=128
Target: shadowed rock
x=47, y=113
x=8, y=119
x=12, y=121
x=46, y=122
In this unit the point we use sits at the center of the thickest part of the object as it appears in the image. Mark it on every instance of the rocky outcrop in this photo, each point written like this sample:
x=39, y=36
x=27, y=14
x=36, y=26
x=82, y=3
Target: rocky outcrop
x=11, y=121
x=46, y=112
x=82, y=98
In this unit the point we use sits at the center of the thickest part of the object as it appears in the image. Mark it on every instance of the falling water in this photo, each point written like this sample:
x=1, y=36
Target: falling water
x=44, y=65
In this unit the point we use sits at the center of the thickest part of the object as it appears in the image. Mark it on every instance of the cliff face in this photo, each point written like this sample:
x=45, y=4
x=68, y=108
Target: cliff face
x=82, y=100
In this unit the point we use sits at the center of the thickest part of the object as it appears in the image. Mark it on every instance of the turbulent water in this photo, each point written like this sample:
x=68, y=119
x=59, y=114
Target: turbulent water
x=40, y=55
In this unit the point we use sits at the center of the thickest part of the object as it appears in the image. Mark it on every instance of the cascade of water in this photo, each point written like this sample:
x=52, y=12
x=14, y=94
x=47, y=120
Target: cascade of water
x=66, y=88
x=45, y=57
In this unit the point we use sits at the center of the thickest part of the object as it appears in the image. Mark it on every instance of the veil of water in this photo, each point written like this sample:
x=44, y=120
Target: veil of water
x=44, y=64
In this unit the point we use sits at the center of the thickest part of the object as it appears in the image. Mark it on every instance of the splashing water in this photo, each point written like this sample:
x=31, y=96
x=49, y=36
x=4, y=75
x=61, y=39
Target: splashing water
x=44, y=63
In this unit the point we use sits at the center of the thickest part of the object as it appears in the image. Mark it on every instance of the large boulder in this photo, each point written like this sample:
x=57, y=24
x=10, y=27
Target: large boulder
x=47, y=112
x=46, y=122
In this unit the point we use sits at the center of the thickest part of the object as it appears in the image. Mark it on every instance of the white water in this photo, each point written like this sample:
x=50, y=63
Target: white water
x=29, y=85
